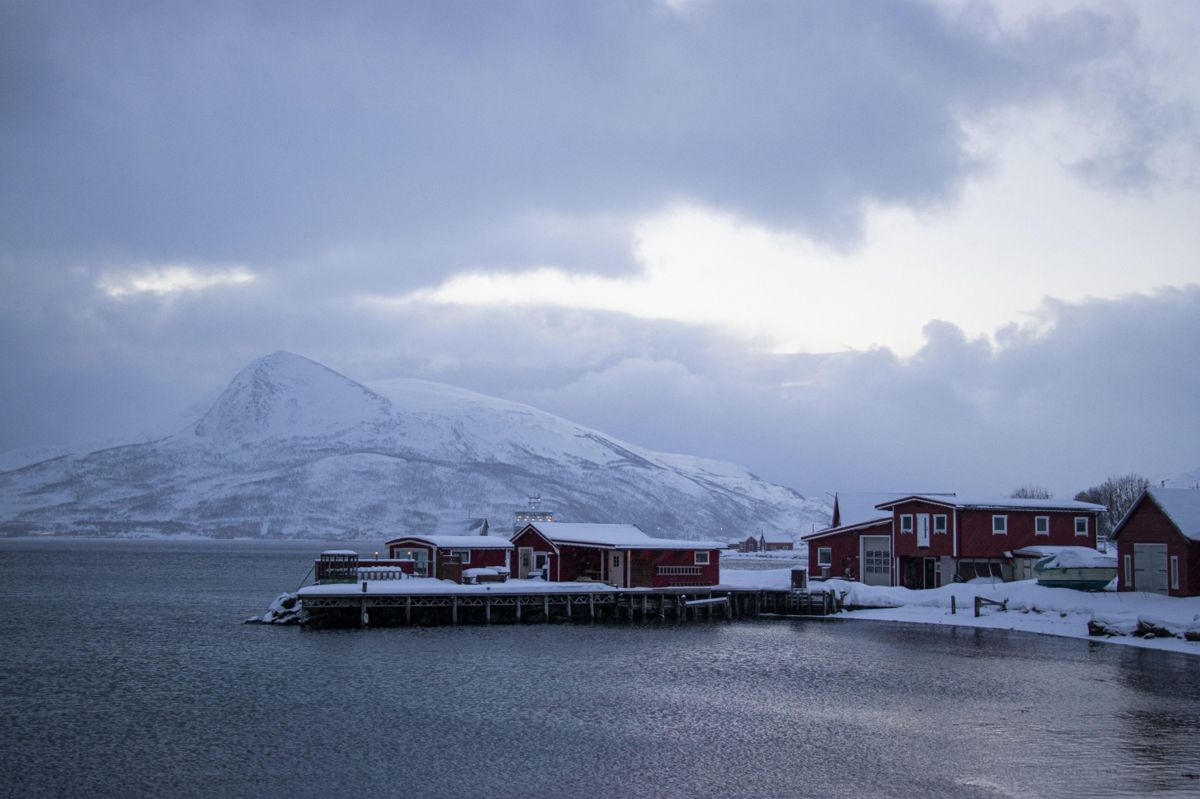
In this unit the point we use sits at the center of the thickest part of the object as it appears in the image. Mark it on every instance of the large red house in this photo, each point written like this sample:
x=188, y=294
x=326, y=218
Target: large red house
x=618, y=554
x=928, y=540
x=1158, y=543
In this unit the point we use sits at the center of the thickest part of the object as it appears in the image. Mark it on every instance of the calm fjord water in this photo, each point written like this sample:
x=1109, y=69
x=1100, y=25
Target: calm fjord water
x=125, y=671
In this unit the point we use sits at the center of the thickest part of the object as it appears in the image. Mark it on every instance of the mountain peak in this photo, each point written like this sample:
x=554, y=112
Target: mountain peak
x=284, y=395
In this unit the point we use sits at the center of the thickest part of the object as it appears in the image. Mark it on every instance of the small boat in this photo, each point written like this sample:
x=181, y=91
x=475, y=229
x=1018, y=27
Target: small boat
x=1081, y=568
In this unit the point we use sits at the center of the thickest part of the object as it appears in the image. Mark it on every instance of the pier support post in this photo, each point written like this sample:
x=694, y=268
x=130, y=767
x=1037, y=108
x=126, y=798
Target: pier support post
x=487, y=611
x=454, y=610
x=518, y=608
x=546, y=607
x=408, y=610
x=362, y=613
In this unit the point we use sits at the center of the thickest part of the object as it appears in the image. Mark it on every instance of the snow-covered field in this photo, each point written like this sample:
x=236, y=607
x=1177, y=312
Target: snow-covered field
x=1031, y=607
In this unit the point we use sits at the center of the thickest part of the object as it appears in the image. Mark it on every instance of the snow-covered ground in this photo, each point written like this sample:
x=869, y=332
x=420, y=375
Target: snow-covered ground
x=1031, y=607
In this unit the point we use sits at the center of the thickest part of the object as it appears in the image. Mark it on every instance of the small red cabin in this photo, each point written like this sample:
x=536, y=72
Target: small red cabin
x=618, y=554
x=1158, y=543
x=428, y=552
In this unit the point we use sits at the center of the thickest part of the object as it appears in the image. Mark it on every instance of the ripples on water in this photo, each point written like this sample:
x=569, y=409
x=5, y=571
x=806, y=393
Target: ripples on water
x=125, y=672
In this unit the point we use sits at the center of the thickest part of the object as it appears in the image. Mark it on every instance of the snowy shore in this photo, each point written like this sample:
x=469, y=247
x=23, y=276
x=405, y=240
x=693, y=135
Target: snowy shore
x=1031, y=608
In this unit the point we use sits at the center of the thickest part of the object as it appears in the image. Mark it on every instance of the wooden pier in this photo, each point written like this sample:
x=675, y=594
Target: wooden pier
x=355, y=607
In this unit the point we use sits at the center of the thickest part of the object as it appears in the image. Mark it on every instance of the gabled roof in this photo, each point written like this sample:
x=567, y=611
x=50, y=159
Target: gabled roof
x=613, y=536
x=1180, y=505
x=995, y=503
x=856, y=507
x=458, y=541
x=850, y=528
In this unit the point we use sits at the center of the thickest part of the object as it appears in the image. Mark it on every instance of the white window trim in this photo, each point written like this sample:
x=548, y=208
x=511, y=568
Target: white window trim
x=906, y=523
x=1083, y=519
x=1003, y=518
x=464, y=555
x=1174, y=572
x=1039, y=520
x=702, y=558
x=828, y=553
x=1128, y=559
x=945, y=525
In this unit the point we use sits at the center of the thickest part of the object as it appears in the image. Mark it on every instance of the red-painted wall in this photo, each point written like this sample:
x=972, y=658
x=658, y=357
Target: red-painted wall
x=644, y=563
x=1149, y=525
x=579, y=561
x=905, y=544
x=844, y=551
x=978, y=540
x=479, y=557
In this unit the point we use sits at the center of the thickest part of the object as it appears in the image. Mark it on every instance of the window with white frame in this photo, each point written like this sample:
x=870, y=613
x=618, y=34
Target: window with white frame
x=1174, y=572
x=463, y=555
x=999, y=524
x=1081, y=525
x=701, y=558
x=939, y=523
x=906, y=523
x=1128, y=581
x=1041, y=525
x=824, y=556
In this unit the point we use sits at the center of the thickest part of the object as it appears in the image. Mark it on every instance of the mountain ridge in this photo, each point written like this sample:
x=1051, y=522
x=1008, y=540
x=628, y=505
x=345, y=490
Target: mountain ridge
x=292, y=448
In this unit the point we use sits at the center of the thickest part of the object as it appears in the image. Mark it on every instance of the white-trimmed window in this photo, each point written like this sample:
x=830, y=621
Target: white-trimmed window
x=906, y=523
x=824, y=556
x=1128, y=571
x=1041, y=525
x=939, y=523
x=1174, y=572
x=1000, y=524
x=1081, y=525
x=701, y=558
x=463, y=555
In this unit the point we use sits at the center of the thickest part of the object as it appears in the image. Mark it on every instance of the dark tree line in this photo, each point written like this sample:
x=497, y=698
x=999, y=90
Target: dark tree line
x=1117, y=493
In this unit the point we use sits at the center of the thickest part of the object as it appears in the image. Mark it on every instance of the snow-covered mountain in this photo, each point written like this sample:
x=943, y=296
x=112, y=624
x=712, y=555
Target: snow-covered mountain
x=292, y=448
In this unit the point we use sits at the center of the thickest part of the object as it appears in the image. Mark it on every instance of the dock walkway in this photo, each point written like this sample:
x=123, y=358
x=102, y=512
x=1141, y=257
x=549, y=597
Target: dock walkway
x=432, y=603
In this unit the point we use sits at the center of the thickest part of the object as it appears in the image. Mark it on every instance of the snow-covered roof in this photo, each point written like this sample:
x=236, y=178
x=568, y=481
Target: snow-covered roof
x=339, y=552
x=856, y=507
x=849, y=528
x=1182, y=506
x=614, y=536
x=997, y=503
x=458, y=541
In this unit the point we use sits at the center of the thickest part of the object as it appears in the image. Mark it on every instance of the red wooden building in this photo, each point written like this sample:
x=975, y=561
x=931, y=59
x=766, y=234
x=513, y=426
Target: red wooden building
x=1158, y=543
x=858, y=543
x=429, y=552
x=928, y=540
x=618, y=554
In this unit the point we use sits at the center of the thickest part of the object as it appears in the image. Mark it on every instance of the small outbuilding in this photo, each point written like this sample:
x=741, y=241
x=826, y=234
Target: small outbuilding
x=433, y=555
x=1158, y=543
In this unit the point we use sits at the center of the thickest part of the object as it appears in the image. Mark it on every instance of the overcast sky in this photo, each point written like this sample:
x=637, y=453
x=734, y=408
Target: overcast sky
x=853, y=246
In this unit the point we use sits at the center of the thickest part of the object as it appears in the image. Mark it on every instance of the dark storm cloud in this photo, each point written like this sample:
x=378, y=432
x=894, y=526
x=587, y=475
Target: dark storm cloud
x=387, y=143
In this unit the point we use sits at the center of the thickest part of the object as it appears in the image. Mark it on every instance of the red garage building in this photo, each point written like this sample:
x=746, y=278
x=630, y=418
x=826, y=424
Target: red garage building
x=1158, y=543
x=618, y=554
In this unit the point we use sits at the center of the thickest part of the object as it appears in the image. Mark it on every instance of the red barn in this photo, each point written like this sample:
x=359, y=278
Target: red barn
x=618, y=554
x=472, y=551
x=1158, y=543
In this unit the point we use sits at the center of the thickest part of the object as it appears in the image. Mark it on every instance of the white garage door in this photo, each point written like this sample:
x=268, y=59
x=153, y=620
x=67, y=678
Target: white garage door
x=876, y=559
x=1150, y=568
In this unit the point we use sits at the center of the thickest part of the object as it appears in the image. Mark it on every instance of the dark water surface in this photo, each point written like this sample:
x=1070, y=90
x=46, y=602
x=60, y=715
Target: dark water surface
x=125, y=672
